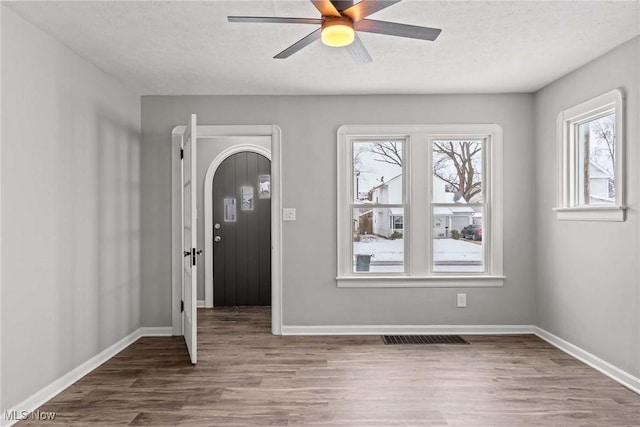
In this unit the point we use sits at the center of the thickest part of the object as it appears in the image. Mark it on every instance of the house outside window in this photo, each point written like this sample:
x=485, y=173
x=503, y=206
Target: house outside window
x=591, y=165
x=420, y=205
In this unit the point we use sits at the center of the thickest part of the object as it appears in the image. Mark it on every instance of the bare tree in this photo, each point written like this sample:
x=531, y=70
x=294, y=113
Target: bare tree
x=359, y=165
x=604, y=147
x=605, y=135
x=458, y=163
x=388, y=152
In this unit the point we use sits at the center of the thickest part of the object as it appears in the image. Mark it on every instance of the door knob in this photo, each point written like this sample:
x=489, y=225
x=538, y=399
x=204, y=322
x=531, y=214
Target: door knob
x=186, y=253
x=199, y=252
x=217, y=239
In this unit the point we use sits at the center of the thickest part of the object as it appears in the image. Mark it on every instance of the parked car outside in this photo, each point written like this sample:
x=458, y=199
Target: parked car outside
x=472, y=231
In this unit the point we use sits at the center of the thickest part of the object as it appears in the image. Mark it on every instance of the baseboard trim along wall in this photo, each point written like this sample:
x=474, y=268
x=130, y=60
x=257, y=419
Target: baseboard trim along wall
x=200, y=303
x=629, y=381
x=157, y=331
x=408, y=329
x=33, y=402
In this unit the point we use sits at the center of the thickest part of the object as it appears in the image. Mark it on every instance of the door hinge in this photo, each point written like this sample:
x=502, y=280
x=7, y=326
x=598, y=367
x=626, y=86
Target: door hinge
x=193, y=256
x=181, y=306
x=181, y=153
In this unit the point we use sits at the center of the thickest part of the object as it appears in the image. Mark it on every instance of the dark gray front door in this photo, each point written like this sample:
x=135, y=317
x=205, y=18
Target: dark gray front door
x=242, y=231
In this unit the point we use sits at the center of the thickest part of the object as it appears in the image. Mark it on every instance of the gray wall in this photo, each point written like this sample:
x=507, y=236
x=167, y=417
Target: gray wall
x=588, y=282
x=309, y=125
x=70, y=210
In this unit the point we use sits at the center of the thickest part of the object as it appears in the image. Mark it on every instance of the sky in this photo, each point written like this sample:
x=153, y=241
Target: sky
x=372, y=170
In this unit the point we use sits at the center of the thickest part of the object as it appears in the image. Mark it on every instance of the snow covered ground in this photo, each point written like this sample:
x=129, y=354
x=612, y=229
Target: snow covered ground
x=459, y=251
x=381, y=249
x=449, y=254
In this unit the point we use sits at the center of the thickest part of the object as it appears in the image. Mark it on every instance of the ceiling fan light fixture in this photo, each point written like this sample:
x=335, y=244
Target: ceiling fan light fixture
x=337, y=32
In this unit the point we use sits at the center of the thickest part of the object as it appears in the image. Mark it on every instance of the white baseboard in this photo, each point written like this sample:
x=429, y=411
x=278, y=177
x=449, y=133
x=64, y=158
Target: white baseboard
x=39, y=398
x=201, y=303
x=407, y=329
x=617, y=374
x=156, y=331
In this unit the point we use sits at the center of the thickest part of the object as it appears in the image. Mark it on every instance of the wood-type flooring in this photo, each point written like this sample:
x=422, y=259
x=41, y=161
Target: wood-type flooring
x=247, y=377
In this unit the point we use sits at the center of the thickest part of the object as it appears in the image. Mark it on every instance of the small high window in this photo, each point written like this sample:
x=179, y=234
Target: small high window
x=591, y=160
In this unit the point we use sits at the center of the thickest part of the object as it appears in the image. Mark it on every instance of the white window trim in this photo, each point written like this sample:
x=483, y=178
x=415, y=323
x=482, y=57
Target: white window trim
x=417, y=271
x=566, y=209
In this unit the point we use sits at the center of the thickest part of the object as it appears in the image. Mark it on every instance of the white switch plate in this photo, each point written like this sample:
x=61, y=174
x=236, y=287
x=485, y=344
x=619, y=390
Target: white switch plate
x=288, y=214
x=461, y=300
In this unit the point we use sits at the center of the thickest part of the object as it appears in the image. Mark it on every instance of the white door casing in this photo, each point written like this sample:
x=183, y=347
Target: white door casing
x=222, y=131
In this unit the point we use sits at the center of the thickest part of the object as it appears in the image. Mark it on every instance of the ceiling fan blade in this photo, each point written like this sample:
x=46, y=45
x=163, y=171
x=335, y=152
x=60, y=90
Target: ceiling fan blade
x=274, y=20
x=359, y=52
x=302, y=43
x=342, y=4
x=361, y=10
x=400, y=30
x=326, y=8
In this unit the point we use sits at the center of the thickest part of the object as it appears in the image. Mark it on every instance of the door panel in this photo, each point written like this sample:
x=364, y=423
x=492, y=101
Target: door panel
x=241, y=235
x=242, y=256
x=189, y=239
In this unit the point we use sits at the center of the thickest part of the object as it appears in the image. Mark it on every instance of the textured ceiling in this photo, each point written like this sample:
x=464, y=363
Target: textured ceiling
x=186, y=48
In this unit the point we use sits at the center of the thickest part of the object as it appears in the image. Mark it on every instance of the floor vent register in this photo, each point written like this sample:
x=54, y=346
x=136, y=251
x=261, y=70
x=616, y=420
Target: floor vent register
x=423, y=339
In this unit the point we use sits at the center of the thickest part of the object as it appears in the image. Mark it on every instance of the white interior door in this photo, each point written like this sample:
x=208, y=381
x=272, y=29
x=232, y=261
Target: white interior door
x=189, y=239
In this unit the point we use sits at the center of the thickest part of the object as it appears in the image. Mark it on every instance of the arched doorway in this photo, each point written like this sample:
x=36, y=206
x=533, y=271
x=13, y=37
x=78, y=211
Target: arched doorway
x=241, y=204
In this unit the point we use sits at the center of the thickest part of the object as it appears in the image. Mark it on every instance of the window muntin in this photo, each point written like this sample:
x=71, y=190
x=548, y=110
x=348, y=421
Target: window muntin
x=591, y=166
x=378, y=196
x=457, y=195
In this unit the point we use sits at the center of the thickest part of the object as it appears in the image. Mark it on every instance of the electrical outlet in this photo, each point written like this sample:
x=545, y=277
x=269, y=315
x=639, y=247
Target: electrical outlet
x=461, y=300
x=288, y=214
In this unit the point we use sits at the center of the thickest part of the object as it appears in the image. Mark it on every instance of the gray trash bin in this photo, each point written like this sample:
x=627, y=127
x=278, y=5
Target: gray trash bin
x=363, y=262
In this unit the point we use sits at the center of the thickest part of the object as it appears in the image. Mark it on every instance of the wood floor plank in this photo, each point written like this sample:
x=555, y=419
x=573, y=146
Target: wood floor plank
x=247, y=377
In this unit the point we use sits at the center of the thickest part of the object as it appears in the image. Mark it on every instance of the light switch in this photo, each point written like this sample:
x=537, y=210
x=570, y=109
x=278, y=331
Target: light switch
x=288, y=214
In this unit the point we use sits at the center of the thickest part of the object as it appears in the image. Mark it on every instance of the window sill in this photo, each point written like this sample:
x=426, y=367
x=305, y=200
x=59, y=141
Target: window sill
x=420, y=281
x=592, y=213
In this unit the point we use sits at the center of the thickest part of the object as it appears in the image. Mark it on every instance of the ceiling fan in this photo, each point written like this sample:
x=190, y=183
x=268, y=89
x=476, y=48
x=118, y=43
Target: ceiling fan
x=339, y=24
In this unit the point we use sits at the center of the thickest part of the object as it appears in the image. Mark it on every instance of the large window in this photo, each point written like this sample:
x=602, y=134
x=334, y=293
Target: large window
x=420, y=205
x=591, y=160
